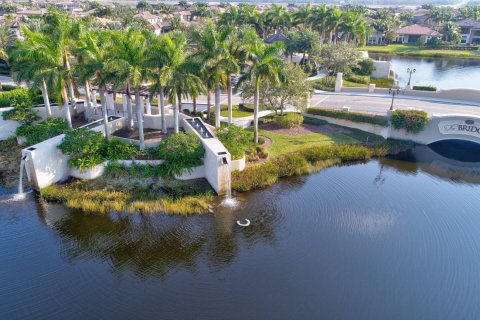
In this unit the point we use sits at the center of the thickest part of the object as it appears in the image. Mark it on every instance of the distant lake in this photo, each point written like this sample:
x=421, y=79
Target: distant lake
x=443, y=73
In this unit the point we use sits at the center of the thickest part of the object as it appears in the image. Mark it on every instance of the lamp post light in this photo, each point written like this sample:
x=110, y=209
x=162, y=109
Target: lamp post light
x=410, y=71
x=393, y=92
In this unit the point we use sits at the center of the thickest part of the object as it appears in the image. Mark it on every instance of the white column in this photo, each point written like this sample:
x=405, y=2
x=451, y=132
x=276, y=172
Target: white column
x=148, y=107
x=110, y=102
x=339, y=82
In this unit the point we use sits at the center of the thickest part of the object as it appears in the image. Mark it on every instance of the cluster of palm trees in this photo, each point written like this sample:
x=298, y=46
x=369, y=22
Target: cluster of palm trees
x=332, y=23
x=66, y=55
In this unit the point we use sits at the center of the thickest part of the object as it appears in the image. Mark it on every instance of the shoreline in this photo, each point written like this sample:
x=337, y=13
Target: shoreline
x=421, y=52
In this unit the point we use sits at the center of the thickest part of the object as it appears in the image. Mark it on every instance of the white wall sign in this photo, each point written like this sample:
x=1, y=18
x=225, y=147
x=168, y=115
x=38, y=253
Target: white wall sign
x=462, y=127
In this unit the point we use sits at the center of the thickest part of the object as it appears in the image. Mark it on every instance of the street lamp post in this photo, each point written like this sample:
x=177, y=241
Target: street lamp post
x=393, y=92
x=410, y=71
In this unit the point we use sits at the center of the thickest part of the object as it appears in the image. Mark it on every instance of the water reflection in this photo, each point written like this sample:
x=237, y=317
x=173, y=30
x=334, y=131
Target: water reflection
x=454, y=161
x=155, y=245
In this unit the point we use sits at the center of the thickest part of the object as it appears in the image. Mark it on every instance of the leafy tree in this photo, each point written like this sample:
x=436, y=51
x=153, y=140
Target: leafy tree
x=365, y=67
x=451, y=32
x=335, y=58
x=295, y=91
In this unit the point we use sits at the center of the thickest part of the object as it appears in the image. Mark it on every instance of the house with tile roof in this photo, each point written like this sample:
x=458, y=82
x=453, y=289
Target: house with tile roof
x=470, y=30
x=414, y=32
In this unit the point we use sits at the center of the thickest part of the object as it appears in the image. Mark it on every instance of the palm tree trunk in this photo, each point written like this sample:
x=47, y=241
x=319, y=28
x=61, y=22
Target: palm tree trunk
x=217, y=106
x=103, y=103
x=94, y=100
x=139, y=106
x=130, y=112
x=175, y=116
x=66, y=108
x=209, y=103
x=44, y=90
x=194, y=106
x=161, y=101
x=255, y=109
x=229, y=93
x=88, y=111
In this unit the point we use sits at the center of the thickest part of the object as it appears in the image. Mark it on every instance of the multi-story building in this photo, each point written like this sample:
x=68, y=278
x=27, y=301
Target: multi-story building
x=470, y=30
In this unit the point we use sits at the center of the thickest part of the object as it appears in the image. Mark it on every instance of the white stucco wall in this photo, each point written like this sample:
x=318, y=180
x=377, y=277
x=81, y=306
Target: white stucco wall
x=382, y=69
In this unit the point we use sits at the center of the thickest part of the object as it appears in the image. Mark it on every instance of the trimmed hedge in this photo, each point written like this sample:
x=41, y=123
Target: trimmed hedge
x=411, y=120
x=19, y=97
x=351, y=116
x=289, y=120
x=425, y=88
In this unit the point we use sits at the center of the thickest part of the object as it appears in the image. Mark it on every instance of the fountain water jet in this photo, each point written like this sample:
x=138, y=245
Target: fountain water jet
x=229, y=201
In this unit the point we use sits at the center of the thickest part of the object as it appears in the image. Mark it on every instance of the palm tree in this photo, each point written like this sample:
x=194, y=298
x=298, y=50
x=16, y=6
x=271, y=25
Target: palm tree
x=182, y=82
x=278, y=18
x=92, y=51
x=26, y=67
x=318, y=20
x=265, y=63
x=333, y=17
x=211, y=54
x=164, y=53
x=50, y=54
x=127, y=67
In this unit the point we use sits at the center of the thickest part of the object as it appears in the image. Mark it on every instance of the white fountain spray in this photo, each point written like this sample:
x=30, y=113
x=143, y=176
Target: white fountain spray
x=229, y=200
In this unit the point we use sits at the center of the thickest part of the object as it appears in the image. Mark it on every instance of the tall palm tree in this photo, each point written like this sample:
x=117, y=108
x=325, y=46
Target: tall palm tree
x=50, y=55
x=211, y=54
x=333, y=17
x=92, y=51
x=127, y=67
x=182, y=82
x=265, y=63
x=26, y=67
x=318, y=20
x=164, y=53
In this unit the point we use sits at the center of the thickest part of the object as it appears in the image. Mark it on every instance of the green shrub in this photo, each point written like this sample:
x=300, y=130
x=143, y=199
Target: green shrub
x=365, y=67
x=425, y=88
x=236, y=139
x=351, y=116
x=119, y=150
x=410, y=120
x=19, y=97
x=357, y=78
x=84, y=148
x=324, y=84
x=181, y=152
x=36, y=133
x=289, y=120
x=25, y=116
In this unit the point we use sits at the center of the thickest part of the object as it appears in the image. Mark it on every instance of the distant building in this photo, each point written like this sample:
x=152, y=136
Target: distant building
x=277, y=37
x=151, y=18
x=414, y=32
x=374, y=37
x=160, y=27
x=470, y=30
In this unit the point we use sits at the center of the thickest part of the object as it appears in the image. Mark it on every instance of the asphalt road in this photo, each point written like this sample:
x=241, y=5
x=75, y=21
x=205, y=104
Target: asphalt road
x=376, y=104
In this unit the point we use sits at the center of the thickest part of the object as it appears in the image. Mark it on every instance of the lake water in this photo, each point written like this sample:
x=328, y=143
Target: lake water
x=388, y=239
x=443, y=73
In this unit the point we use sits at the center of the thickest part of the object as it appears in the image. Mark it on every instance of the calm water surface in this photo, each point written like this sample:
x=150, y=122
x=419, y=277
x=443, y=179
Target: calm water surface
x=389, y=239
x=443, y=73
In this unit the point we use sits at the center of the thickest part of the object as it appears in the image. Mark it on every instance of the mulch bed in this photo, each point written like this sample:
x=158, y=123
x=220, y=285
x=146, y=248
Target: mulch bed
x=302, y=130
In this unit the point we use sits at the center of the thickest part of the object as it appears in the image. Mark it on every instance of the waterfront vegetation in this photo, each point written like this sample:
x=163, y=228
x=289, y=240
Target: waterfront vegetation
x=309, y=160
x=350, y=116
x=411, y=120
x=91, y=198
x=423, y=51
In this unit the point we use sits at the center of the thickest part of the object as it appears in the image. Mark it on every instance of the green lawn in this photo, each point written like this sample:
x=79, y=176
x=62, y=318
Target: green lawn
x=236, y=112
x=283, y=143
x=414, y=50
x=379, y=82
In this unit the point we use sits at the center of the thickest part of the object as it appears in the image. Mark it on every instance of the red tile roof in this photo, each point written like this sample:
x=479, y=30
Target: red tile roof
x=416, y=29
